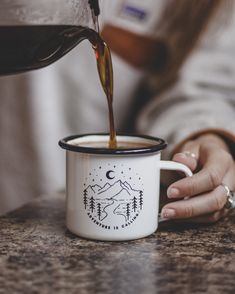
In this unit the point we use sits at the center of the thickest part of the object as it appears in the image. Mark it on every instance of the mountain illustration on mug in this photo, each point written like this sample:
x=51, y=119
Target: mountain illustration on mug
x=117, y=201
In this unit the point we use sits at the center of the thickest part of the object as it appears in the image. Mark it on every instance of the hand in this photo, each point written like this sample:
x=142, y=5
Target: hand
x=201, y=198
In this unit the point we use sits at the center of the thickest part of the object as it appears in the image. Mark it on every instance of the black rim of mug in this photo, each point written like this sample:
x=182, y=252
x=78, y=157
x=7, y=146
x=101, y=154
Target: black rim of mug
x=160, y=145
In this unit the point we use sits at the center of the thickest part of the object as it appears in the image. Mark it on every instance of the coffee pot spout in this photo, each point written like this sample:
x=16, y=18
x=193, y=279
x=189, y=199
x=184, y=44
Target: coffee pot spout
x=94, y=5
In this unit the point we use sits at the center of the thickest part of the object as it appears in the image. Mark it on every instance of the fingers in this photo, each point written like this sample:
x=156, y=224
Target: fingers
x=209, y=218
x=196, y=206
x=185, y=157
x=207, y=179
x=204, y=208
x=208, y=196
x=229, y=178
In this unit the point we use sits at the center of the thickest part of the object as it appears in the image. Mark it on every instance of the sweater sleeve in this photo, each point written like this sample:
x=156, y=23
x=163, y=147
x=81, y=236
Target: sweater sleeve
x=203, y=98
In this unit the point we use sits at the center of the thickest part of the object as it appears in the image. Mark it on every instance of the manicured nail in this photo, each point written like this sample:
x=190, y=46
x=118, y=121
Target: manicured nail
x=173, y=192
x=168, y=213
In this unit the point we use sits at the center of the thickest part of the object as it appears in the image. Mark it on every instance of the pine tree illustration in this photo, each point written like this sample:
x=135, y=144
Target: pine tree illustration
x=141, y=199
x=92, y=204
x=99, y=210
x=128, y=210
x=85, y=201
x=134, y=204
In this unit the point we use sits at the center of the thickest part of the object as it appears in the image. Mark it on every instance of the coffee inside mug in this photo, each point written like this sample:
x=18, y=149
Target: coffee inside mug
x=99, y=143
x=120, y=144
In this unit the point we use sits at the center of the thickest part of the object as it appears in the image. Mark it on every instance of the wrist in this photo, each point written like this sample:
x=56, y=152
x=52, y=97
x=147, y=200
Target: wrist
x=220, y=137
x=212, y=138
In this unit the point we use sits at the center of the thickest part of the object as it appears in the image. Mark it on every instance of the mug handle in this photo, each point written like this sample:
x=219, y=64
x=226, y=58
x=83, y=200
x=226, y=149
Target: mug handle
x=172, y=165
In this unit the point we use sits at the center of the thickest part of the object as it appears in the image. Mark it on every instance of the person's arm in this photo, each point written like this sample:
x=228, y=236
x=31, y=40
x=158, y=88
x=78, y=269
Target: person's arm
x=197, y=115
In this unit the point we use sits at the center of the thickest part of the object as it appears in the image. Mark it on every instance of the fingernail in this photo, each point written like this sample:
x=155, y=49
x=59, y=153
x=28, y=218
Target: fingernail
x=173, y=192
x=168, y=213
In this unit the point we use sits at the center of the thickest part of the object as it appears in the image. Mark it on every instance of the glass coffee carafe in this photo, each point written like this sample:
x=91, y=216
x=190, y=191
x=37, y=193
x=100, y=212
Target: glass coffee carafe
x=35, y=33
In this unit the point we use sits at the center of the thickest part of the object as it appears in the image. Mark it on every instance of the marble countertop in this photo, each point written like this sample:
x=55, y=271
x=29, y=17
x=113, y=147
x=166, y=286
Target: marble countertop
x=39, y=255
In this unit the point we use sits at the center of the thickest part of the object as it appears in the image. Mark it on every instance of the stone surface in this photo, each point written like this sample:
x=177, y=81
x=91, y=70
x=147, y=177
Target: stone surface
x=38, y=255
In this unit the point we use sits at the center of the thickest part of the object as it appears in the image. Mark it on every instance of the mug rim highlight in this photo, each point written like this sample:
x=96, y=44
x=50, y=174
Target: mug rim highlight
x=159, y=145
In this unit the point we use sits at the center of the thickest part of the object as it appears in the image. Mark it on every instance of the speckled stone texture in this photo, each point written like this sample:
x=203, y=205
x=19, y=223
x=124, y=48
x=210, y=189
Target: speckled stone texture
x=38, y=255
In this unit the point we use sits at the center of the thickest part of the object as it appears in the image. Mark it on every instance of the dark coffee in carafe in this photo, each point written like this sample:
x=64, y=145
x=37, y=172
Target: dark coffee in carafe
x=25, y=48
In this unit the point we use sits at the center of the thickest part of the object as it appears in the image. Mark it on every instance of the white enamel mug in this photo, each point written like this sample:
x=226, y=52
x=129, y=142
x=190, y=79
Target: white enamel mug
x=113, y=194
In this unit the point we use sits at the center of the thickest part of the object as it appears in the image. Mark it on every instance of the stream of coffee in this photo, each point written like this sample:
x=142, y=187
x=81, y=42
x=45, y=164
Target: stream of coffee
x=105, y=69
x=25, y=48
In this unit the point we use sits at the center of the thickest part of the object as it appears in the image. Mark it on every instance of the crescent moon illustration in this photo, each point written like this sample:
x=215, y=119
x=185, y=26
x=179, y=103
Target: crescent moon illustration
x=108, y=174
